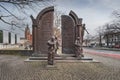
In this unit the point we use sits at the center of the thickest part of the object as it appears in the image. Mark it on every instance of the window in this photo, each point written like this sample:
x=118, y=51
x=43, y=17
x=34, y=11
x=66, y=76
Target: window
x=15, y=38
x=9, y=37
x=1, y=36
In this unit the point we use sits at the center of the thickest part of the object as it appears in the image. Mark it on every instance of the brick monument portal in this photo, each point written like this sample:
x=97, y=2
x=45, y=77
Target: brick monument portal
x=68, y=34
x=42, y=30
x=72, y=28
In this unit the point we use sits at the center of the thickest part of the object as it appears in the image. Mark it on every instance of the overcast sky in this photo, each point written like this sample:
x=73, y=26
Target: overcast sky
x=94, y=12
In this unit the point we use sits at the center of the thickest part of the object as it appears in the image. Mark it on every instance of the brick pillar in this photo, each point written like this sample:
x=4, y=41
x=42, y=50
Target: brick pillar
x=34, y=31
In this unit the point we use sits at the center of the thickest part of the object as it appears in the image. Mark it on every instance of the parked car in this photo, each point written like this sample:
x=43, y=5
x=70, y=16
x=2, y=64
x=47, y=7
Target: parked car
x=110, y=46
x=117, y=46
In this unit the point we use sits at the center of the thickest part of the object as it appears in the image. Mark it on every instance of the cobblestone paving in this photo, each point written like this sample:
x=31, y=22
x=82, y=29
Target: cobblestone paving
x=14, y=68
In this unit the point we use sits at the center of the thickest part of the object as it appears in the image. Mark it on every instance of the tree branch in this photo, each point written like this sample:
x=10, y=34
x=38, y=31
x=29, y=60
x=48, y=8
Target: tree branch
x=9, y=12
x=20, y=1
x=12, y=24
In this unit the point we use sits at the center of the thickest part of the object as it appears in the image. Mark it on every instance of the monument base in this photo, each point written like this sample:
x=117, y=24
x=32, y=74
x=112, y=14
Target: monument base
x=38, y=55
x=52, y=67
x=58, y=57
x=61, y=58
x=85, y=59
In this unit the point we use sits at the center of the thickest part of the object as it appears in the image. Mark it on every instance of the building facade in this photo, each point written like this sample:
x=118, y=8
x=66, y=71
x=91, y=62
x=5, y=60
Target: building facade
x=112, y=39
x=28, y=35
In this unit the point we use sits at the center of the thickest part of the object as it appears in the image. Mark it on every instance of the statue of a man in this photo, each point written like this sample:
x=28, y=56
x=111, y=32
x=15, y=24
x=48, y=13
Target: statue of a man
x=78, y=48
x=51, y=50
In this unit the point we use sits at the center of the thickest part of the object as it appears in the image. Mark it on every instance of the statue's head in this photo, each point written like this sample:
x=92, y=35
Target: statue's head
x=53, y=38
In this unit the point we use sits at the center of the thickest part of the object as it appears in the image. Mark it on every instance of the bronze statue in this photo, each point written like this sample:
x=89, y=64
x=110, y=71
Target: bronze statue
x=51, y=50
x=78, y=48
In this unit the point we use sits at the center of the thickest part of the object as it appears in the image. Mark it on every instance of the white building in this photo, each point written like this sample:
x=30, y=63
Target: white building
x=8, y=39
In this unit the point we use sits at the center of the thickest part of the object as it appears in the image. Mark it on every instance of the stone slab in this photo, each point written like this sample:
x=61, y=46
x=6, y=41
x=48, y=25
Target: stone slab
x=68, y=34
x=60, y=58
x=66, y=61
x=43, y=30
x=51, y=67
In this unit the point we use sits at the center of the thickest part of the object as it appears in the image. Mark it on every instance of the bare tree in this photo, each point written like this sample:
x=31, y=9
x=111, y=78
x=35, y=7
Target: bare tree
x=22, y=6
x=110, y=28
x=57, y=23
x=116, y=13
x=88, y=38
x=116, y=21
x=100, y=33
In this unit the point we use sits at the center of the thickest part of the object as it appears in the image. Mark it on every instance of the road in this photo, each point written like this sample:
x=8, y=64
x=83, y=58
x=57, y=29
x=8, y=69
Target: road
x=103, y=51
x=108, y=58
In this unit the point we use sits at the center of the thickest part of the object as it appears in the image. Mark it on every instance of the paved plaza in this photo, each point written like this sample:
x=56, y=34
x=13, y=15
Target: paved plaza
x=14, y=68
